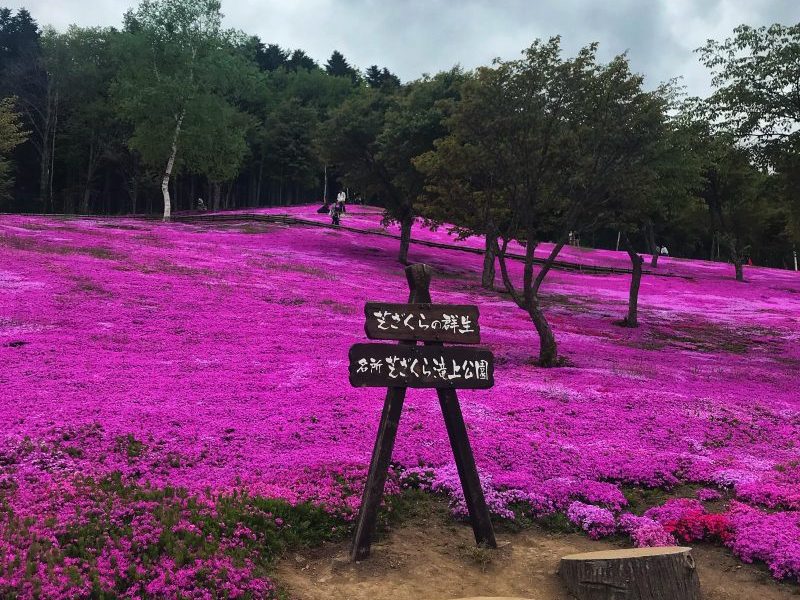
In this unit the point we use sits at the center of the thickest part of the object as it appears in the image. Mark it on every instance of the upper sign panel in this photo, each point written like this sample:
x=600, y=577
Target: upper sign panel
x=453, y=323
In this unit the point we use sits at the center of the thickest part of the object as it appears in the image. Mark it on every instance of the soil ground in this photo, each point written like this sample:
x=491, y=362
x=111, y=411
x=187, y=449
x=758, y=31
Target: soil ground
x=429, y=556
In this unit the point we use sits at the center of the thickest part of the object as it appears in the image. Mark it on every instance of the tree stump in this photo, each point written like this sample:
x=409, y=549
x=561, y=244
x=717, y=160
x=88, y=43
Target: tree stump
x=491, y=598
x=635, y=574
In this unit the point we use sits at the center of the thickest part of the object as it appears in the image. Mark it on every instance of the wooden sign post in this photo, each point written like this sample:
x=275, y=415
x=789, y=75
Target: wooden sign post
x=433, y=365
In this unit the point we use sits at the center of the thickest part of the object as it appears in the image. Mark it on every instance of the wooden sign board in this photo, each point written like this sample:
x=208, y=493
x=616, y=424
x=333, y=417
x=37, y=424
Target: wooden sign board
x=456, y=323
x=390, y=365
x=406, y=364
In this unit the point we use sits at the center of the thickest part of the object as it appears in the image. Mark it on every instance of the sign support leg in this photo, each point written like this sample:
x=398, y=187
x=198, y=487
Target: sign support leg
x=419, y=277
x=467, y=471
x=378, y=471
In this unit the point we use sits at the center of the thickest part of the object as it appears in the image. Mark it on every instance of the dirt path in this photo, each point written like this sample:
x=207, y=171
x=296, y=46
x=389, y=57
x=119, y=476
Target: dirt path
x=431, y=557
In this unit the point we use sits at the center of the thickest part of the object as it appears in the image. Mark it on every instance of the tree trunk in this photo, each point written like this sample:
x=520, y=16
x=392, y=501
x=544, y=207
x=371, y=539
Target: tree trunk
x=215, y=195
x=737, y=256
x=44, y=175
x=177, y=187
x=87, y=190
x=325, y=186
x=168, y=169
x=487, y=279
x=635, y=574
x=632, y=320
x=528, y=300
x=738, y=265
x=405, y=239
x=84, y=209
x=50, y=202
x=260, y=179
x=651, y=242
x=548, y=349
x=107, y=192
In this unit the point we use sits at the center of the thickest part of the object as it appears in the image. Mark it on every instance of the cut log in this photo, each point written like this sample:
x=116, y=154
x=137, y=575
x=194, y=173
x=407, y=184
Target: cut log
x=636, y=574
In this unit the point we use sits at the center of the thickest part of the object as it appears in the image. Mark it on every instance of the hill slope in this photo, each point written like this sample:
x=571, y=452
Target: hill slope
x=214, y=358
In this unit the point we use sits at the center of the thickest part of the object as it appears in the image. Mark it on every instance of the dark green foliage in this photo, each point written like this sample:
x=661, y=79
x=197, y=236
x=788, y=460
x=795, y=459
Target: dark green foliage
x=260, y=123
x=12, y=135
x=756, y=73
x=337, y=66
x=188, y=529
x=380, y=78
x=299, y=60
x=375, y=135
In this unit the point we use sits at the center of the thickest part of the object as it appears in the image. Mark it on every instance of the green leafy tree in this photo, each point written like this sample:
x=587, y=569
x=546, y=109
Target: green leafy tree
x=272, y=58
x=289, y=149
x=465, y=178
x=90, y=129
x=30, y=70
x=313, y=88
x=547, y=144
x=12, y=134
x=268, y=57
x=285, y=155
x=523, y=106
x=731, y=190
x=757, y=99
x=785, y=211
x=755, y=74
x=178, y=81
x=21, y=73
x=375, y=136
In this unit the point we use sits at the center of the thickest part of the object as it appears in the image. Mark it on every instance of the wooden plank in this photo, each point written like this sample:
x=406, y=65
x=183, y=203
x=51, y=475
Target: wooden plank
x=455, y=323
x=459, y=440
x=388, y=365
x=418, y=280
x=378, y=471
x=467, y=471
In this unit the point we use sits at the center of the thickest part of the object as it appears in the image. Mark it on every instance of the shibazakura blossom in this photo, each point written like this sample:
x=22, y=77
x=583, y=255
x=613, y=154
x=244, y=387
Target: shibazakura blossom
x=212, y=359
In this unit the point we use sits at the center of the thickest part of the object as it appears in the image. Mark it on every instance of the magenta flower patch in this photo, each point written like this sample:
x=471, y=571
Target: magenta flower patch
x=150, y=373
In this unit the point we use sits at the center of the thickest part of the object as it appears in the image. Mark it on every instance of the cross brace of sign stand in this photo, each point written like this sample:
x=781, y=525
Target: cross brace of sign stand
x=419, y=277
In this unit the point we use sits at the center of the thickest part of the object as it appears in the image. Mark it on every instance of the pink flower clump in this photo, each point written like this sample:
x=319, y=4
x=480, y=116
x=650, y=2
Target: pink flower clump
x=645, y=532
x=596, y=521
x=687, y=520
x=770, y=537
x=210, y=360
x=708, y=495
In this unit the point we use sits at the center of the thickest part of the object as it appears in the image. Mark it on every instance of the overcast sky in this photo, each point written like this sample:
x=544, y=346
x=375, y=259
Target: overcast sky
x=412, y=37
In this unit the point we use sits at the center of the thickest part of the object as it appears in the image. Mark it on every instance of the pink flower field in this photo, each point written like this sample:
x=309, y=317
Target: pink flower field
x=175, y=406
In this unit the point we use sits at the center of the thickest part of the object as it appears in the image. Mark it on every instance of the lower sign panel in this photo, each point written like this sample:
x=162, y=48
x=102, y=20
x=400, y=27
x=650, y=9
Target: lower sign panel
x=390, y=365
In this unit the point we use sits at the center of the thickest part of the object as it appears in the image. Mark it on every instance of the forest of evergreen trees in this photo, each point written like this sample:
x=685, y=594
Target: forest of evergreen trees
x=172, y=107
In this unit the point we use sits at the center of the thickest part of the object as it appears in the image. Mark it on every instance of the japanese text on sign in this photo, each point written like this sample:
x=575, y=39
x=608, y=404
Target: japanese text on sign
x=431, y=322
x=421, y=366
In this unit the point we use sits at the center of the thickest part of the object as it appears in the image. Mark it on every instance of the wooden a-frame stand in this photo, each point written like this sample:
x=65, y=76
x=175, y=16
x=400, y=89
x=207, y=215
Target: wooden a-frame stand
x=419, y=277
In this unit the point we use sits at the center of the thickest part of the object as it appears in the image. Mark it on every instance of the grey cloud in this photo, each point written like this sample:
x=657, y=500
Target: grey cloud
x=412, y=37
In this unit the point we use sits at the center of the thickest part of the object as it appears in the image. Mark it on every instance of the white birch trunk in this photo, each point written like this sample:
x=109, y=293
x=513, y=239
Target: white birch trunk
x=168, y=170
